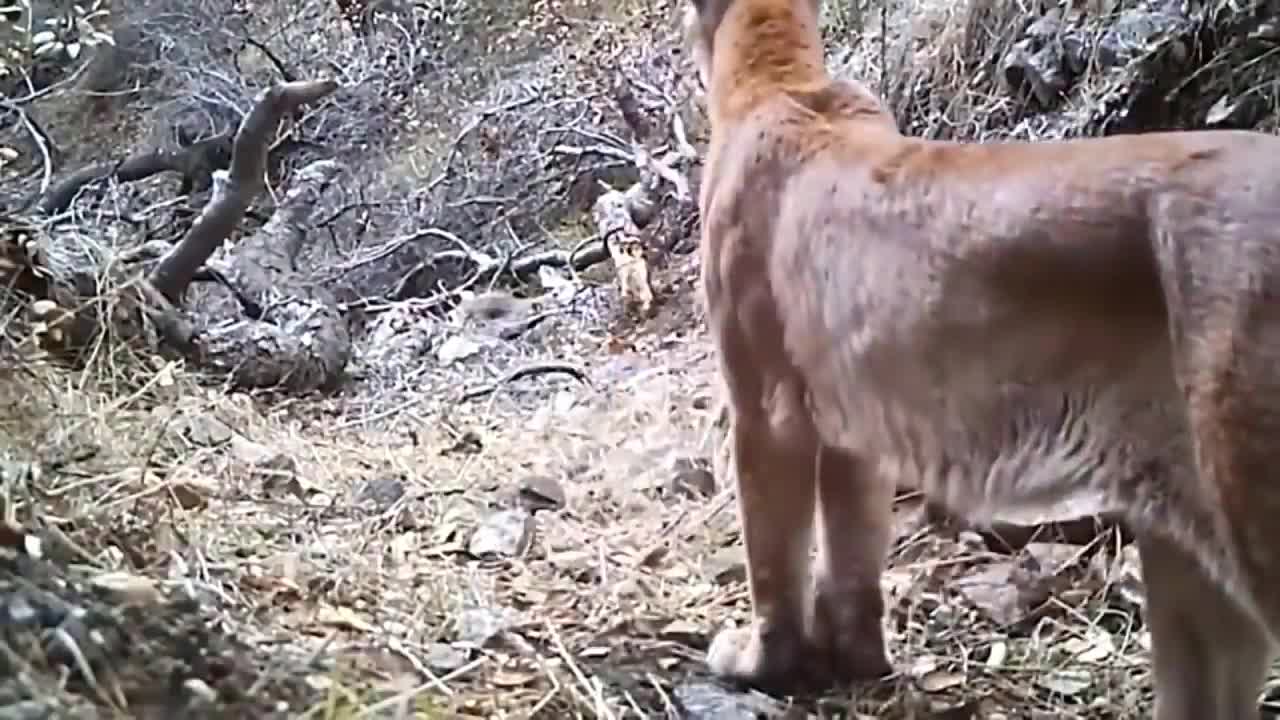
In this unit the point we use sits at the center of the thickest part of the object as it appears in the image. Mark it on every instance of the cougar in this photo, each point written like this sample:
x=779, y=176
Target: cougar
x=1010, y=325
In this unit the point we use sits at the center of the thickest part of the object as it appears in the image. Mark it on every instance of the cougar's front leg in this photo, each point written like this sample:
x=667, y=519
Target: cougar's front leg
x=855, y=525
x=774, y=454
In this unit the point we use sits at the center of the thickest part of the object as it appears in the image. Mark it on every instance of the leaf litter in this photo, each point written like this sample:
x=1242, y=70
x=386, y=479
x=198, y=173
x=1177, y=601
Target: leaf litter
x=170, y=549
x=572, y=561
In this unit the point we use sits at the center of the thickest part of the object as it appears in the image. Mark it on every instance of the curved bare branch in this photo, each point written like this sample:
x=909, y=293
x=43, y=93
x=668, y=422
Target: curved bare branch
x=234, y=191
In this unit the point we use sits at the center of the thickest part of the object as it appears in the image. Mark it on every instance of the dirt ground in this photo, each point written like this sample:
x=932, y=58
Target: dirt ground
x=531, y=527
x=548, y=547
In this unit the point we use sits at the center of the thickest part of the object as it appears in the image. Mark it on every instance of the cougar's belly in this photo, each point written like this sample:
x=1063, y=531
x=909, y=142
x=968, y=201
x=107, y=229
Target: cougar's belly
x=1011, y=451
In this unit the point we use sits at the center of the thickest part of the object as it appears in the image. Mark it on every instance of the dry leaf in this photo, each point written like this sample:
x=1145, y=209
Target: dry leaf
x=342, y=617
x=512, y=678
x=402, y=546
x=192, y=491
x=1066, y=682
x=996, y=657
x=128, y=588
x=1096, y=646
x=941, y=680
x=682, y=630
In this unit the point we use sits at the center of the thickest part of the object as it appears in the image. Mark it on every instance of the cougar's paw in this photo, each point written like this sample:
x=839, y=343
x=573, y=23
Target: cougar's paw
x=847, y=635
x=845, y=661
x=768, y=661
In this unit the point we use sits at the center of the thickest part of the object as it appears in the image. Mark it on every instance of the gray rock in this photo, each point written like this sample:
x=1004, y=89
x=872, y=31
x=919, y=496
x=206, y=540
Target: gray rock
x=709, y=701
x=506, y=533
x=541, y=492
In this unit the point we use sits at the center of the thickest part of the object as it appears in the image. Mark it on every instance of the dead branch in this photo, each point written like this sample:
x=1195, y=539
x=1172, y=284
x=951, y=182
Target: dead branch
x=481, y=265
x=542, y=368
x=194, y=163
x=580, y=259
x=234, y=191
x=294, y=338
x=87, y=293
x=41, y=139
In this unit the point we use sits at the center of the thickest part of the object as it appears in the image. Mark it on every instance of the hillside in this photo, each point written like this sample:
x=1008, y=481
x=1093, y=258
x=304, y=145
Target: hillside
x=489, y=481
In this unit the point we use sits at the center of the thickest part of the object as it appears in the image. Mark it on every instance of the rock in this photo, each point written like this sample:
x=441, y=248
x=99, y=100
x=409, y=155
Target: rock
x=262, y=458
x=1134, y=32
x=444, y=658
x=469, y=443
x=276, y=470
x=560, y=286
x=937, y=681
x=382, y=492
x=205, y=430
x=691, y=479
x=710, y=701
x=1040, y=70
x=458, y=347
x=727, y=565
x=507, y=533
x=540, y=492
x=200, y=691
x=477, y=626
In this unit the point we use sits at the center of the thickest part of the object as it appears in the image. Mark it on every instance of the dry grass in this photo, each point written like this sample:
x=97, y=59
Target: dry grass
x=1125, y=66
x=263, y=506
x=332, y=534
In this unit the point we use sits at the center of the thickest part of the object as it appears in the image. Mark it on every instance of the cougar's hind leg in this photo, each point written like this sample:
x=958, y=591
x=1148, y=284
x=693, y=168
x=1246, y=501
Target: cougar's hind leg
x=1219, y=282
x=1214, y=640
x=855, y=525
x=774, y=454
x=1212, y=634
x=1210, y=656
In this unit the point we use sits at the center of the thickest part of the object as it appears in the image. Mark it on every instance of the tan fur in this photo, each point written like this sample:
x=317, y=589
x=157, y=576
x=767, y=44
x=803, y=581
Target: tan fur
x=1011, y=326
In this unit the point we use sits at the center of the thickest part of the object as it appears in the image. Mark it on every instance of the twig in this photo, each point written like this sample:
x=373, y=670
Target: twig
x=466, y=253
x=34, y=94
x=396, y=646
x=541, y=368
x=41, y=140
x=682, y=138
x=374, y=709
x=600, y=708
x=667, y=705
x=661, y=167
x=605, y=150
x=285, y=73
